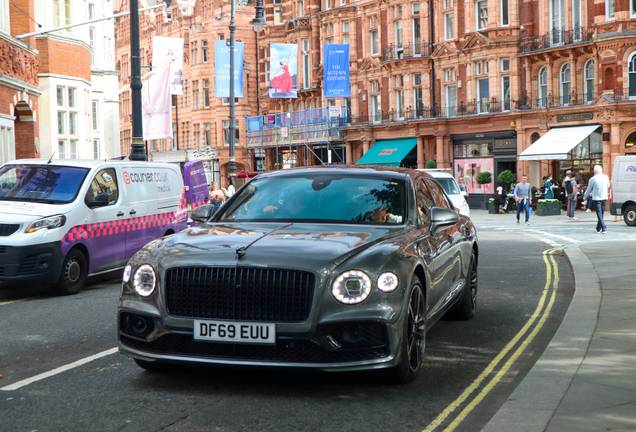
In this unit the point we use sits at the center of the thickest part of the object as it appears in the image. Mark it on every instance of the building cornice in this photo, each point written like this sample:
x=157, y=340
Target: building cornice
x=16, y=84
x=64, y=77
x=18, y=44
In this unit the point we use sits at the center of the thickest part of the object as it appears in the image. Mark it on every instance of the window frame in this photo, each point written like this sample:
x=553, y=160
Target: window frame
x=478, y=17
x=373, y=51
x=543, y=71
x=505, y=16
x=446, y=30
x=610, y=10
x=588, y=95
x=565, y=67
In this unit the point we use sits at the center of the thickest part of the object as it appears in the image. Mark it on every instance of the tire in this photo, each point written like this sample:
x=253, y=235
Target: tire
x=466, y=306
x=73, y=275
x=413, y=343
x=630, y=215
x=152, y=366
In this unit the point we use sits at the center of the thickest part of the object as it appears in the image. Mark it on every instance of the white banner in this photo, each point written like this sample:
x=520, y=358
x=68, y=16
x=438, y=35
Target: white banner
x=156, y=105
x=166, y=50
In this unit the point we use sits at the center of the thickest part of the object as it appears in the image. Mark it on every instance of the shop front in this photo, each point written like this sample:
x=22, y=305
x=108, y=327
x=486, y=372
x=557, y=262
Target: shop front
x=475, y=153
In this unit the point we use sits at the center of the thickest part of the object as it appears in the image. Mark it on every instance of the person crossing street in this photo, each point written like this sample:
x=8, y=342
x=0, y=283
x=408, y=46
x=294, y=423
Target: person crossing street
x=523, y=196
x=598, y=187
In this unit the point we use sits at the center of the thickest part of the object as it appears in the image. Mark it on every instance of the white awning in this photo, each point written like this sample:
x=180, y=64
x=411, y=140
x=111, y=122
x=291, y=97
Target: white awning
x=557, y=143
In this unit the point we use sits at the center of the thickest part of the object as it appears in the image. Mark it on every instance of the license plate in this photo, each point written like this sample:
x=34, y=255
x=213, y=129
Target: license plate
x=243, y=332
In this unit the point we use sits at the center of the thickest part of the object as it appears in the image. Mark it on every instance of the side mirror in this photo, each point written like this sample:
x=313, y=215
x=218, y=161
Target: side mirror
x=101, y=200
x=441, y=216
x=464, y=193
x=202, y=213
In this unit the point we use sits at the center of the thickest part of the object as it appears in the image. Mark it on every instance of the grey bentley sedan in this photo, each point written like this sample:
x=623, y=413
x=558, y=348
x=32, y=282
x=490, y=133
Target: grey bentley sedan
x=336, y=268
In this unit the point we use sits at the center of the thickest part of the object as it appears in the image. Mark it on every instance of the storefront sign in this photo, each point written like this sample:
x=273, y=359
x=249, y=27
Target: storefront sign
x=574, y=117
x=507, y=144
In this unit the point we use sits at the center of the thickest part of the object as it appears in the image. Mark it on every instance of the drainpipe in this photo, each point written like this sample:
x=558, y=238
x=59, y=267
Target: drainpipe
x=432, y=32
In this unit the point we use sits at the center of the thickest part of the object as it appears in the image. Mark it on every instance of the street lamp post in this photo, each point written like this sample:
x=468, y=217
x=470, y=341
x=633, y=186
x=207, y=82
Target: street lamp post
x=137, y=151
x=259, y=24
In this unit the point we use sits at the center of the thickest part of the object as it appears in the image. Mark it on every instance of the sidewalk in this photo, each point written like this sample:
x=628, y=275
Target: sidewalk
x=586, y=378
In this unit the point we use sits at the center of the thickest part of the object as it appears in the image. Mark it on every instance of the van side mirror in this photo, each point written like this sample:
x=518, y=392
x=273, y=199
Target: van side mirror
x=101, y=200
x=202, y=213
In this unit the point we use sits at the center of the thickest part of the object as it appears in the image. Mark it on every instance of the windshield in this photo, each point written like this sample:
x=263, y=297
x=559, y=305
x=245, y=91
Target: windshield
x=321, y=198
x=449, y=185
x=40, y=183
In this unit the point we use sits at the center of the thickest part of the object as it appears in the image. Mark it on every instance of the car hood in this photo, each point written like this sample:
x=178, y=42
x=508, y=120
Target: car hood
x=303, y=246
x=18, y=210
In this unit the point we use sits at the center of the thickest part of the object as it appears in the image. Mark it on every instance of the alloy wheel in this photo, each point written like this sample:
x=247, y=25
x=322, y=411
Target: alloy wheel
x=416, y=336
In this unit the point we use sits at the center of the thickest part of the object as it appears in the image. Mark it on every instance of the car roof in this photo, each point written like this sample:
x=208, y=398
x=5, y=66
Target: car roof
x=349, y=170
x=80, y=163
x=437, y=174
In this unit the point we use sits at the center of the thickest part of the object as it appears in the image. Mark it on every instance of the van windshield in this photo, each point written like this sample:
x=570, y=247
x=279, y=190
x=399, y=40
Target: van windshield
x=48, y=184
x=449, y=185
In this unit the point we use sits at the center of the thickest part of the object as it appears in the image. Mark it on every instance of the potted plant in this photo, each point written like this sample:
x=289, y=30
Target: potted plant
x=492, y=207
x=548, y=207
x=431, y=164
x=483, y=178
x=507, y=177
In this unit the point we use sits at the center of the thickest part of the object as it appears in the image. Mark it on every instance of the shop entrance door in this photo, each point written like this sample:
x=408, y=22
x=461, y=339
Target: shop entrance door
x=502, y=165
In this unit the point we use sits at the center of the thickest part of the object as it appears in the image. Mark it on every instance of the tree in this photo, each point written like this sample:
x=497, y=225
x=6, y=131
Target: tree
x=507, y=177
x=484, y=177
x=431, y=164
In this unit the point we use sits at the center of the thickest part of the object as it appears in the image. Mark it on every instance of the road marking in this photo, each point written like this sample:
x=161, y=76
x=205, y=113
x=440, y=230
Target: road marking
x=477, y=382
x=557, y=236
x=58, y=370
x=550, y=242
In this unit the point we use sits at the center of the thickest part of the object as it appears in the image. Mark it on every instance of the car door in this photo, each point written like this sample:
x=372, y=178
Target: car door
x=105, y=231
x=429, y=243
x=448, y=244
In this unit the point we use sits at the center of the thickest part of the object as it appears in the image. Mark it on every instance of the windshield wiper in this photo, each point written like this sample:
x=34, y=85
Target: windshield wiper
x=241, y=251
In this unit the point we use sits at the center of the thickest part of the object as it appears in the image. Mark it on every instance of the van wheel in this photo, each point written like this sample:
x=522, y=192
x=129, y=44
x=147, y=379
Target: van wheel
x=630, y=216
x=74, y=272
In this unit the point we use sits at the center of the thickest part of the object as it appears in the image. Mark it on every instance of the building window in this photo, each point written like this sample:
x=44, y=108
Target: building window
x=94, y=114
x=345, y=27
x=204, y=51
x=483, y=95
x=226, y=132
x=399, y=34
x=195, y=95
x=278, y=11
x=630, y=142
x=505, y=20
x=67, y=115
x=175, y=137
x=505, y=65
x=61, y=146
x=95, y=148
x=610, y=9
x=61, y=13
x=566, y=83
x=557, y=13
x=481, y=12
x=301, y=9
x=207, y=133
x=633, y=8
x=505, y=92
x=194, y=52
x=5, y=22
x=206, y=93
x=449, y=4
x=449, y=26
x=399, y=103
x=91, y=11
x=576, y=20
x=589, y=81
x=543, y=86
x=329, y=41
x=632, y=75
x=345, y=39
x=451, y=100
x=415, y=8
x=226, y=101
x=417, y=79
x=7, y=140
x=376, y=108
x=305, y=47
x=374, y=42
x=91, y=43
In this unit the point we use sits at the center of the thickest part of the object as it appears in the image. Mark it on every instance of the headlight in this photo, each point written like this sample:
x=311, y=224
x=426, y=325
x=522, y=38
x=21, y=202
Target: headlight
x=47, y=223
x=351, y=287
x=127, y=273
x=144, y=280
x=387, y=282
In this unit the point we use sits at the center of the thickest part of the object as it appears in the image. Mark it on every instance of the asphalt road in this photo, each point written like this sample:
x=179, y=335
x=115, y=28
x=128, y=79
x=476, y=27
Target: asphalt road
x=40, y=332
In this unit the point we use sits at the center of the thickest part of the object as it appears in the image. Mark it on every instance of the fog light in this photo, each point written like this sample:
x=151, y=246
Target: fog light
x=137, y=324
x=353, y=334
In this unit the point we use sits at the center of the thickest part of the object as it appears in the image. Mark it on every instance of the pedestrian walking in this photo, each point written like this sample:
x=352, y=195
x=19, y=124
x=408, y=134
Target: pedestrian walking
x=598, y=188
x=571, y=191
x=217, y=197
x=523, y=196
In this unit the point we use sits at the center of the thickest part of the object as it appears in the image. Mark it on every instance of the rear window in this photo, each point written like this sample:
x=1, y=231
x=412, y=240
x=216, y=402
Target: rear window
x=449, y=185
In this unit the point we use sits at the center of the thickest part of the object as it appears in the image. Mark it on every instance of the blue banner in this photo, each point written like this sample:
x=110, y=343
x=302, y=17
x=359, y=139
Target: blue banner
x=222, y=69
x=336, y=71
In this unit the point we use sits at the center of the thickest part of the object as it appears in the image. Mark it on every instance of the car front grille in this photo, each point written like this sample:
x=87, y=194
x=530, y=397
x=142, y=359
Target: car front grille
x=8, y=229
x=372, y=346
x=239, y=293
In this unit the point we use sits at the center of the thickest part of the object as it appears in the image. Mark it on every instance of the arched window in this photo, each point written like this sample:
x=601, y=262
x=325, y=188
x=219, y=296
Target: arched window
x=535, y=137
x=543, y=86
x=589, y=81
x=630, y=143
x=632, y=74
x=566, y=83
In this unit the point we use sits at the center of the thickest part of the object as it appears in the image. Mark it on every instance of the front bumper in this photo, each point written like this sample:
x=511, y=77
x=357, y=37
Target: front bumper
x=37, y=263
x=346, y=345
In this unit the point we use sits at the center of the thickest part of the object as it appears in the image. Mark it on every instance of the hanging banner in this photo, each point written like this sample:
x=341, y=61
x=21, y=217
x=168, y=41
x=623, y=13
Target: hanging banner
x=336, y=71
x=283, y=68
x=222, y=69
x=169, y=51
x=156, y=105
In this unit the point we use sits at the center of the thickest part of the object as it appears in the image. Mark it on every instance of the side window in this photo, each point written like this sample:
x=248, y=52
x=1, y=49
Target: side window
x=424, y=201
x=104, y=182
x=438, y=194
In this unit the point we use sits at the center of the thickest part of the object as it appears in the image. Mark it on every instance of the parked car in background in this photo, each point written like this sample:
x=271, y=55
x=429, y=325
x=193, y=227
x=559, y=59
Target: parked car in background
x=336, y=268
x=63, y=220
x=451, y=188
x=623, y=201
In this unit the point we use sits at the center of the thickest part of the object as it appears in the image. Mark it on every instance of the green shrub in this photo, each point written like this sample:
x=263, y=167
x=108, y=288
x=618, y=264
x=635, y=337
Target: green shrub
x=507, y=177
x=484, y=177
x=431, y=164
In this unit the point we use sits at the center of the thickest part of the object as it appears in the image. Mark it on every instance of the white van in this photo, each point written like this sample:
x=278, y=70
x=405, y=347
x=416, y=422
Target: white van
x=451, y=188
x=624, y=189
x=63, y=220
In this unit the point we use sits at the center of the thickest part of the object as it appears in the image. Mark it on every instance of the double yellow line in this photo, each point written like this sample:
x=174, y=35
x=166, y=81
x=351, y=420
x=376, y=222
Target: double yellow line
x=541, y=313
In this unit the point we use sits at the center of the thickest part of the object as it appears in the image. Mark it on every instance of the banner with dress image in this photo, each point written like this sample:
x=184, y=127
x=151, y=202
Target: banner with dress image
x=169, y=51
x=283, y=68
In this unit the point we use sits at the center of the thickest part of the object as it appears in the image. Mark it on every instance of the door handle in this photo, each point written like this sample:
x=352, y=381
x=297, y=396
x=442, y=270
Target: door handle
x=132, y=212
x=120, y=214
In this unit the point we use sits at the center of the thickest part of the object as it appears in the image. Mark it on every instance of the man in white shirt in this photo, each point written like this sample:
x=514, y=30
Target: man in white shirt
x=598, y=187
